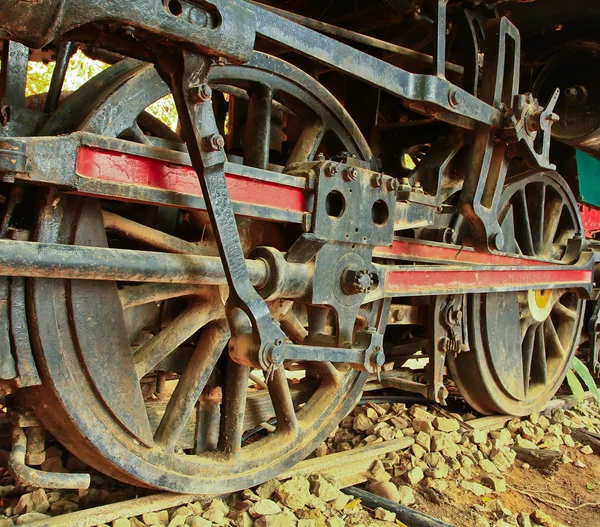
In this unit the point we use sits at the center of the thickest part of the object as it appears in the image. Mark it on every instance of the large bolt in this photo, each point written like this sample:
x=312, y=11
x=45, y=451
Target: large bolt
x=356, y=281
x=454, y=98
x=200, y=93
x=377, y=180
x=331, y=170
x=392, y=184
x=214, y=142
x=350, y=174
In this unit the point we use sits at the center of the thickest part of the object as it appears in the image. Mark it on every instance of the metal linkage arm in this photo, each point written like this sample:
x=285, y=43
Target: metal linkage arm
x=187, y=75
x=224, y=29
x=430, y=94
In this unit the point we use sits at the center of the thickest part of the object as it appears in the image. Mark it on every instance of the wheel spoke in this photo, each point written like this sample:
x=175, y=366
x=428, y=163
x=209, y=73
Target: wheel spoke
x=308, y=143
x=279, y=390
x=258, y=127
x=536, y=207
x=563, y=311
x=539, y=369
x=527, y=347
x=192, y=382
x=552, y=214
x=233, y=409
x=149, y=236
x=554, y=344
x=522, y=224
x=176, y=333
x=137, y=295
x=135, y=133
x=293, y=328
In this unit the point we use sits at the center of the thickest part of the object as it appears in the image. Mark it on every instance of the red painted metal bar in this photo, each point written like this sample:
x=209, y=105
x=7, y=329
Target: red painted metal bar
x=130, y=169
x=413, y=281
x=416, y=250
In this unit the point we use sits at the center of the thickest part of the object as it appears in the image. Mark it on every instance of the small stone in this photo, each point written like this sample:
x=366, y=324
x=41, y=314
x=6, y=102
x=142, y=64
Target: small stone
x=216, y=511
x=275, y=520
x=377, y=472
x=489, y=467
x=182, y=511
x=264, y=508
x=63, y=506
x=498, y=484
x=479, y=436
x=523, y=518
x=542, y=518
x=420, y=412
x=445, y=424
x=437, y=484
x=156, y=518
x=415, y=475
x=294, y=493
x=481, y=521
x=433, y=459
x=422, y=425
x=568, y=440
x=440, y=442
x=334, y=521
x=121, y=522
x=384, y=515
x=586, y=449
x=6, y=522
x=423, y=440
x=342, y=500
x=418, y=451
x=406, y=495
x=267, y=489
x=465, y=472
x=324, y=487
x=362, y=423
x=178, y=521
x=579, y=464
x=35, y=501
x=385, y=489
x=475, y=488
x=199, y=521
x=399, y=423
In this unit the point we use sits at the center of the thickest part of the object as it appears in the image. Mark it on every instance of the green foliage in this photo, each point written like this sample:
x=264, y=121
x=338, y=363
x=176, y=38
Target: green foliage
x=576, y=388
x=81, y=69
x=164, y=109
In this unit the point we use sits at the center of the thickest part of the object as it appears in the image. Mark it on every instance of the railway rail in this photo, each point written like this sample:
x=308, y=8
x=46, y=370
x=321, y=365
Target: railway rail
x=283, y=228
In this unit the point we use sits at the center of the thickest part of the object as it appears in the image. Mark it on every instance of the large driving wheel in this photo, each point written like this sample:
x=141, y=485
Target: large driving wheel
x=521, y=344
x=96, y=341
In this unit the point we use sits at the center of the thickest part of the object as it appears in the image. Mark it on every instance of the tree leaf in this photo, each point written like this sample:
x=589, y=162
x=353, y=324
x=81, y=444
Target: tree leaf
x=586, y=376
x=575, y=386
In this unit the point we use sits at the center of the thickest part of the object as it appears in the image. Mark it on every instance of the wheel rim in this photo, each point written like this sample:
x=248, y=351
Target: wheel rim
x=74, y=401
x=518, y=372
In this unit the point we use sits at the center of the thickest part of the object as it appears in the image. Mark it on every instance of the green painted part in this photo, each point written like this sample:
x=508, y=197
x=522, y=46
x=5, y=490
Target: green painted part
x=588, y=169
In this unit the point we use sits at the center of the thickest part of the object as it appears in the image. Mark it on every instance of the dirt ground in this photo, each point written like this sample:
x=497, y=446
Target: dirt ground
x=570, y=496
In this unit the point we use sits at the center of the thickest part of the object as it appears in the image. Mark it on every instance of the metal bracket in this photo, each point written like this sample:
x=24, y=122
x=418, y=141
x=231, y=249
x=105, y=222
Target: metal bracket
x=488, y=162
x=187, y=75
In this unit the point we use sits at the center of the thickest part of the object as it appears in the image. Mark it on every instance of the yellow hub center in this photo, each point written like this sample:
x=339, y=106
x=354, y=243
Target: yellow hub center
x=542, y=298
x=539, y=303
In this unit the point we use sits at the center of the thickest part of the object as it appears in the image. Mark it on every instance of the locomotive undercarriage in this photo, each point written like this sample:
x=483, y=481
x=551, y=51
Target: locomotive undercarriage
x=264, y=235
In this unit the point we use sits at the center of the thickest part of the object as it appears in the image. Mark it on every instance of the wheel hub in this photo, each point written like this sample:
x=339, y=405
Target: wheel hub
x=539, y=304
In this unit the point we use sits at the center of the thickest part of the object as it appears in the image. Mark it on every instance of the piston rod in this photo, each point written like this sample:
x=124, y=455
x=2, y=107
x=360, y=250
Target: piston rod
x=47, y=260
